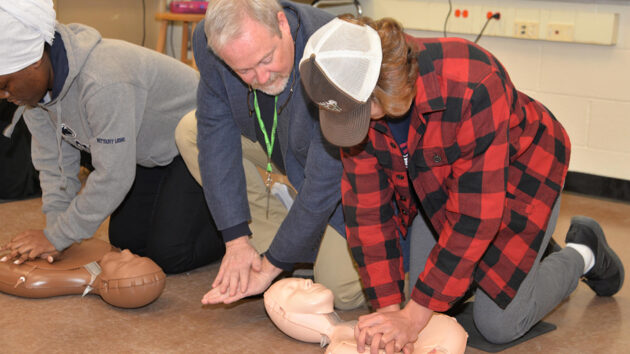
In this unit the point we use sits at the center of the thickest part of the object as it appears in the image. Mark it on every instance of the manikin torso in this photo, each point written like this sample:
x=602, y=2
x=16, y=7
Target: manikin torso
x=121, y=278
x=304, y=310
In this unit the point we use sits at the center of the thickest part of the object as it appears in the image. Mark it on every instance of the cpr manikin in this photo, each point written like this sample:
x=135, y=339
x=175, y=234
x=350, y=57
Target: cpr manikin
x=122, y=279
x=304, y=310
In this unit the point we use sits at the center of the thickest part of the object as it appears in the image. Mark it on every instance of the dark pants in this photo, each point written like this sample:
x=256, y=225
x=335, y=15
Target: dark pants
x=165, y=217
x=18, y=177
x=548, y=283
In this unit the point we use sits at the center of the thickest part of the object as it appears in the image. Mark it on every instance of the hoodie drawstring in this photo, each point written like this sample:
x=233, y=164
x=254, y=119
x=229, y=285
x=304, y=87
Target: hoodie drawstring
x=14, y=121
x=64, y=179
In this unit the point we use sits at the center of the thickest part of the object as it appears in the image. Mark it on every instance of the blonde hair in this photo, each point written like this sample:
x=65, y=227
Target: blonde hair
x=224, y=19
x=395, y=88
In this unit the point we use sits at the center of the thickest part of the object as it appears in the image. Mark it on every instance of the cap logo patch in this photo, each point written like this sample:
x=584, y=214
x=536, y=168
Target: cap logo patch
x=330, y=105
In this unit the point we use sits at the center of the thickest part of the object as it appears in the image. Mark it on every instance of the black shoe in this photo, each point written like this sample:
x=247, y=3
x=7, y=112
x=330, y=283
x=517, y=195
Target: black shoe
x=606, y=276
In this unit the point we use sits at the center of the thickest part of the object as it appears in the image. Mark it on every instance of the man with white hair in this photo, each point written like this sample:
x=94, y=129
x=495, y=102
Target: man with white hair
x=120, y=103
x=251, y=105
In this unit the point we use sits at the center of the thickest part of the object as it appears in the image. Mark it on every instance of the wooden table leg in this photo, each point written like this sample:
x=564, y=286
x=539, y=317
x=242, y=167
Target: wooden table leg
x=161, y=42
x=184, y=57
x=194, y=25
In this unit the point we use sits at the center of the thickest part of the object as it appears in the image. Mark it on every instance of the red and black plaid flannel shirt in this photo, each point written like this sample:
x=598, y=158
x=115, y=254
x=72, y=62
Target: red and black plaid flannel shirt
x=487, y=163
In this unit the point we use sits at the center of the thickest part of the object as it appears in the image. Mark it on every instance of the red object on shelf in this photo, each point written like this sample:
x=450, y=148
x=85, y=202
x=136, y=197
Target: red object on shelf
x=189, y=7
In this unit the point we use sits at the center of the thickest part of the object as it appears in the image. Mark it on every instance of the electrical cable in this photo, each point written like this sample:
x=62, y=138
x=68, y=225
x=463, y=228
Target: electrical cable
x=450, y=9
x=496, y=15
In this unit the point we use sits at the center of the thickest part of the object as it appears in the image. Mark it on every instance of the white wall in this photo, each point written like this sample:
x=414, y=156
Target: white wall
x=587, y=87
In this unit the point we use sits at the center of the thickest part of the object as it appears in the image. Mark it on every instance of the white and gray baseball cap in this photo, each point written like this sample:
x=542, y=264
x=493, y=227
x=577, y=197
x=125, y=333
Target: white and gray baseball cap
x=339, y=70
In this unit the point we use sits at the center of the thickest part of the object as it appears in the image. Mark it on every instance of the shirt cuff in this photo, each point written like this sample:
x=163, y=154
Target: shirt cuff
x=282, y=265
x=236, y=231
x=431, y=302
x=60, y=241
x=386, y=294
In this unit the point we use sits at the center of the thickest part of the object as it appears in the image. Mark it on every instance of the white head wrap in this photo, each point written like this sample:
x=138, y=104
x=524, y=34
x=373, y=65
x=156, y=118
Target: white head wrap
x=24, y=27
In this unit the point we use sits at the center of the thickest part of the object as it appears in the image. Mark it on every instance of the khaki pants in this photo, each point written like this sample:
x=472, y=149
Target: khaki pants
x=333, y=266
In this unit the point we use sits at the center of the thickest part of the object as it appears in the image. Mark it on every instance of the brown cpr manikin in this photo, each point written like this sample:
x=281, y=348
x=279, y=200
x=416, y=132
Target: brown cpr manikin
x=122, y=279
x=304, y=310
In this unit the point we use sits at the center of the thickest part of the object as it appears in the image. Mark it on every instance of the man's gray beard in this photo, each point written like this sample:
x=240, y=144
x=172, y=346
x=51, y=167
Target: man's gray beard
x=276, y=87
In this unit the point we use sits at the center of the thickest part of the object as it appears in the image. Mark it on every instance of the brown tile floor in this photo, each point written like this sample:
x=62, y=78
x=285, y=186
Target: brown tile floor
x=177, y=323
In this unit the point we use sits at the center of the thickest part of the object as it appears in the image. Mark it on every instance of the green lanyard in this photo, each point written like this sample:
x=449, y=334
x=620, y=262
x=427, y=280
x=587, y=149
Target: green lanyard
x=264, y=131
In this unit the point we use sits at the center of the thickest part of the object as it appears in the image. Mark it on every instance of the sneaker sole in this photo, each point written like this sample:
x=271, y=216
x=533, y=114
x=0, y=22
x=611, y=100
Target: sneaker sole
x=594, y=225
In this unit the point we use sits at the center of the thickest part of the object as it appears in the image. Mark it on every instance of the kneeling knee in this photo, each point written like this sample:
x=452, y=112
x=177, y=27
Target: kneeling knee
x=186, y=131
x=349, y=299
x=168, y=263
x=497, y=331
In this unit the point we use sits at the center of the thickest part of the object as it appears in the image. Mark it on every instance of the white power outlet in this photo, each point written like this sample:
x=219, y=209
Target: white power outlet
x=526, y=29
x=561, y=32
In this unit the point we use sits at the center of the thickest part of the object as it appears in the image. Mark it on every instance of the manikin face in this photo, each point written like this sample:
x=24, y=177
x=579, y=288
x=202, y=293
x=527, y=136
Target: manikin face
x=260, y=58
x=27, y=86
x=301, y=309
x=303, y=296
x=130, y=281
x=123, y=265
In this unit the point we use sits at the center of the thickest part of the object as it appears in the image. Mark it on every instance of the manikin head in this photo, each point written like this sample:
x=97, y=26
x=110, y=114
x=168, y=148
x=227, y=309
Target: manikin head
x=253, y=38
x=121, y=265
x=301, y=309
x=25, y=70
x=128, y=280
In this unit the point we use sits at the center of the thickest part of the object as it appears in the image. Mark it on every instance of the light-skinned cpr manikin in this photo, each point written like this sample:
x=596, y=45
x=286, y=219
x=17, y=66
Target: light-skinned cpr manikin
x=304, y=310
x=122, y=279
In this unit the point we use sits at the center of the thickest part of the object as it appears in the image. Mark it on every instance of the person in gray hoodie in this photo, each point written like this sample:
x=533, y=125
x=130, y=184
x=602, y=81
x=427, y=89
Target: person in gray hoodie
x=120, y=103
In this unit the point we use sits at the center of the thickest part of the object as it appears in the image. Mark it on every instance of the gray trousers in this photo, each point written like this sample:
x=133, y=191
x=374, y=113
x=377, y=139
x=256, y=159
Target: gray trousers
x=545, y=286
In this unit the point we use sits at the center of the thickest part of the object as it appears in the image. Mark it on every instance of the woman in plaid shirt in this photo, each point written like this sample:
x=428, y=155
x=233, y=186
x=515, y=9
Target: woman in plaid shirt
x=438, y=146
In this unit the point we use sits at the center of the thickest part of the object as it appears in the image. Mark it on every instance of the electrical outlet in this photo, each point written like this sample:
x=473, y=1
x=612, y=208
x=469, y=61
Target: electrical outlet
x=460, y=21
x=561, y=32
x=526, y=29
